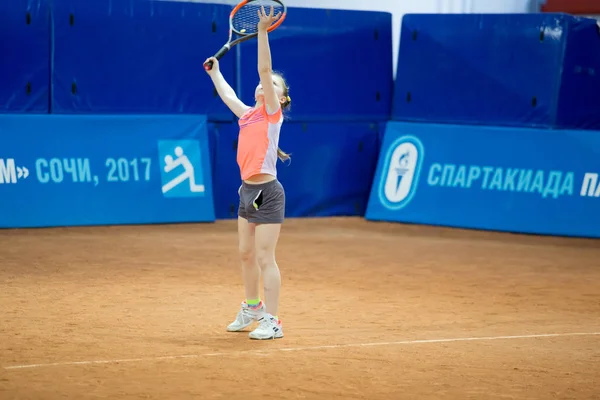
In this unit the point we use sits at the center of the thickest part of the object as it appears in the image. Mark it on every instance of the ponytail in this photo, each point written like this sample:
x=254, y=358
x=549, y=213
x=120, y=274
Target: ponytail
x=283, y=156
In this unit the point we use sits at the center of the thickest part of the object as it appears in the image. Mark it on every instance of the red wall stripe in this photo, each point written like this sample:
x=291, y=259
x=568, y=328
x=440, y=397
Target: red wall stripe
x=581, y=7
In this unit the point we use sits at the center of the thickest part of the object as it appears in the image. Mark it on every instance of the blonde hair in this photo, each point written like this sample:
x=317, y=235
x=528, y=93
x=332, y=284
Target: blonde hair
x=283, y=156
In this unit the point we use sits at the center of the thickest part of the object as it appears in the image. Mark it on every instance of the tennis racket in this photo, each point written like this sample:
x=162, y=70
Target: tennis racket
x=243, y=21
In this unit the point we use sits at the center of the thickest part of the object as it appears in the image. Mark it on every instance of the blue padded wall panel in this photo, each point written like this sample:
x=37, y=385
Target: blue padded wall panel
x=579, y=101
x=225, y=169
x=212, y=133
x=330, y=173
x=25, y=55
x=502, y=69
x=138, y=57
x=331, y=170
x=338, y=64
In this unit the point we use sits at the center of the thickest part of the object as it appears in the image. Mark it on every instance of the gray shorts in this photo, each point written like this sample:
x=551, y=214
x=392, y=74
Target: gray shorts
x=262, y=203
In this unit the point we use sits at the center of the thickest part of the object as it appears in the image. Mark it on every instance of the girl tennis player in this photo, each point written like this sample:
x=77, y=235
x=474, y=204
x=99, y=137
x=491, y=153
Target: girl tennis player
x=262, y=197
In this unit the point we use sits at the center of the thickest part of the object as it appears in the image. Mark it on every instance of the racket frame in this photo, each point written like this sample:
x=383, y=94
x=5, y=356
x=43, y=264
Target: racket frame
x=243, y=36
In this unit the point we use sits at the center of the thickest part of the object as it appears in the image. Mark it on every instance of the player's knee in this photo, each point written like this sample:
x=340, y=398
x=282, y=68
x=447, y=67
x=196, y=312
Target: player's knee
x=246, y=253
x=265, y=257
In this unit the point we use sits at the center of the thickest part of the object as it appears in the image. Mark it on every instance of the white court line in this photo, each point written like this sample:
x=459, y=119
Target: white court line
x=308, y=348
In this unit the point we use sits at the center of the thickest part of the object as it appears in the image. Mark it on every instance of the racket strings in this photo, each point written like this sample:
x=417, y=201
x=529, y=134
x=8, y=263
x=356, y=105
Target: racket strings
x=246, y=19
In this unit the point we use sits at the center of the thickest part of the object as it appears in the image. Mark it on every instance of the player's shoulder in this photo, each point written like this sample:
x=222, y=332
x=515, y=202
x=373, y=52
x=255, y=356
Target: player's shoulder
x=249, y=111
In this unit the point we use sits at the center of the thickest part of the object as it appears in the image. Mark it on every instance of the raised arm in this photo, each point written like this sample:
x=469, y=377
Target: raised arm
x=265, y=68
x=226, y=92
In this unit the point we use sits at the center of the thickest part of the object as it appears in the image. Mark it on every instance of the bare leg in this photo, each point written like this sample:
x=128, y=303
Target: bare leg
x=266, y=239
x=250, y=268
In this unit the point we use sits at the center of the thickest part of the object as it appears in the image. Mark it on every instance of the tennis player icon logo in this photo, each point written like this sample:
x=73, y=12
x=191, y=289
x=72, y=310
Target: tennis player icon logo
x=181, y=168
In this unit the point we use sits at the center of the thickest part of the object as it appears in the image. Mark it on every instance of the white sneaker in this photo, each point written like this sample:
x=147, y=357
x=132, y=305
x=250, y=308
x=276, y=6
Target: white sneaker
x=268, y=328
x=246, y=316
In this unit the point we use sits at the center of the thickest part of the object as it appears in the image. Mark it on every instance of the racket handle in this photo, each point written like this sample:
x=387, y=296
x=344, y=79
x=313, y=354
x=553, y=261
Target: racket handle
x=208, y=66
x=222, y=52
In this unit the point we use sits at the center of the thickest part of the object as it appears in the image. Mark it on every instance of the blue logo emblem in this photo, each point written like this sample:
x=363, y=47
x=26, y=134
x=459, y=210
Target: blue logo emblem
x=181, y=168
x=400, y=174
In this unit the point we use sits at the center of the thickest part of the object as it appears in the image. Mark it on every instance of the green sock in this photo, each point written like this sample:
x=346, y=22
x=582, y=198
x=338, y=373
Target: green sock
x=253, y=302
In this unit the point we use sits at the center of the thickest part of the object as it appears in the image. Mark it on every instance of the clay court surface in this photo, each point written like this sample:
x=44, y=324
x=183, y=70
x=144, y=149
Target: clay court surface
x=370, y=311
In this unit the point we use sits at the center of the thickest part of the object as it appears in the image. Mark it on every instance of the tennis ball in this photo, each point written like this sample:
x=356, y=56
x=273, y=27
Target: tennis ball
x=243, y=31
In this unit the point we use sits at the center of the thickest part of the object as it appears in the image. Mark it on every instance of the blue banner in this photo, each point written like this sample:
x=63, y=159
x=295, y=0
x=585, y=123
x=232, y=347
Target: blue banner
x=100, y=170
x=504, y=179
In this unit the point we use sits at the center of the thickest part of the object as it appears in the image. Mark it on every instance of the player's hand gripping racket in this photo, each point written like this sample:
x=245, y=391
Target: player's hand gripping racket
x=243, y=21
